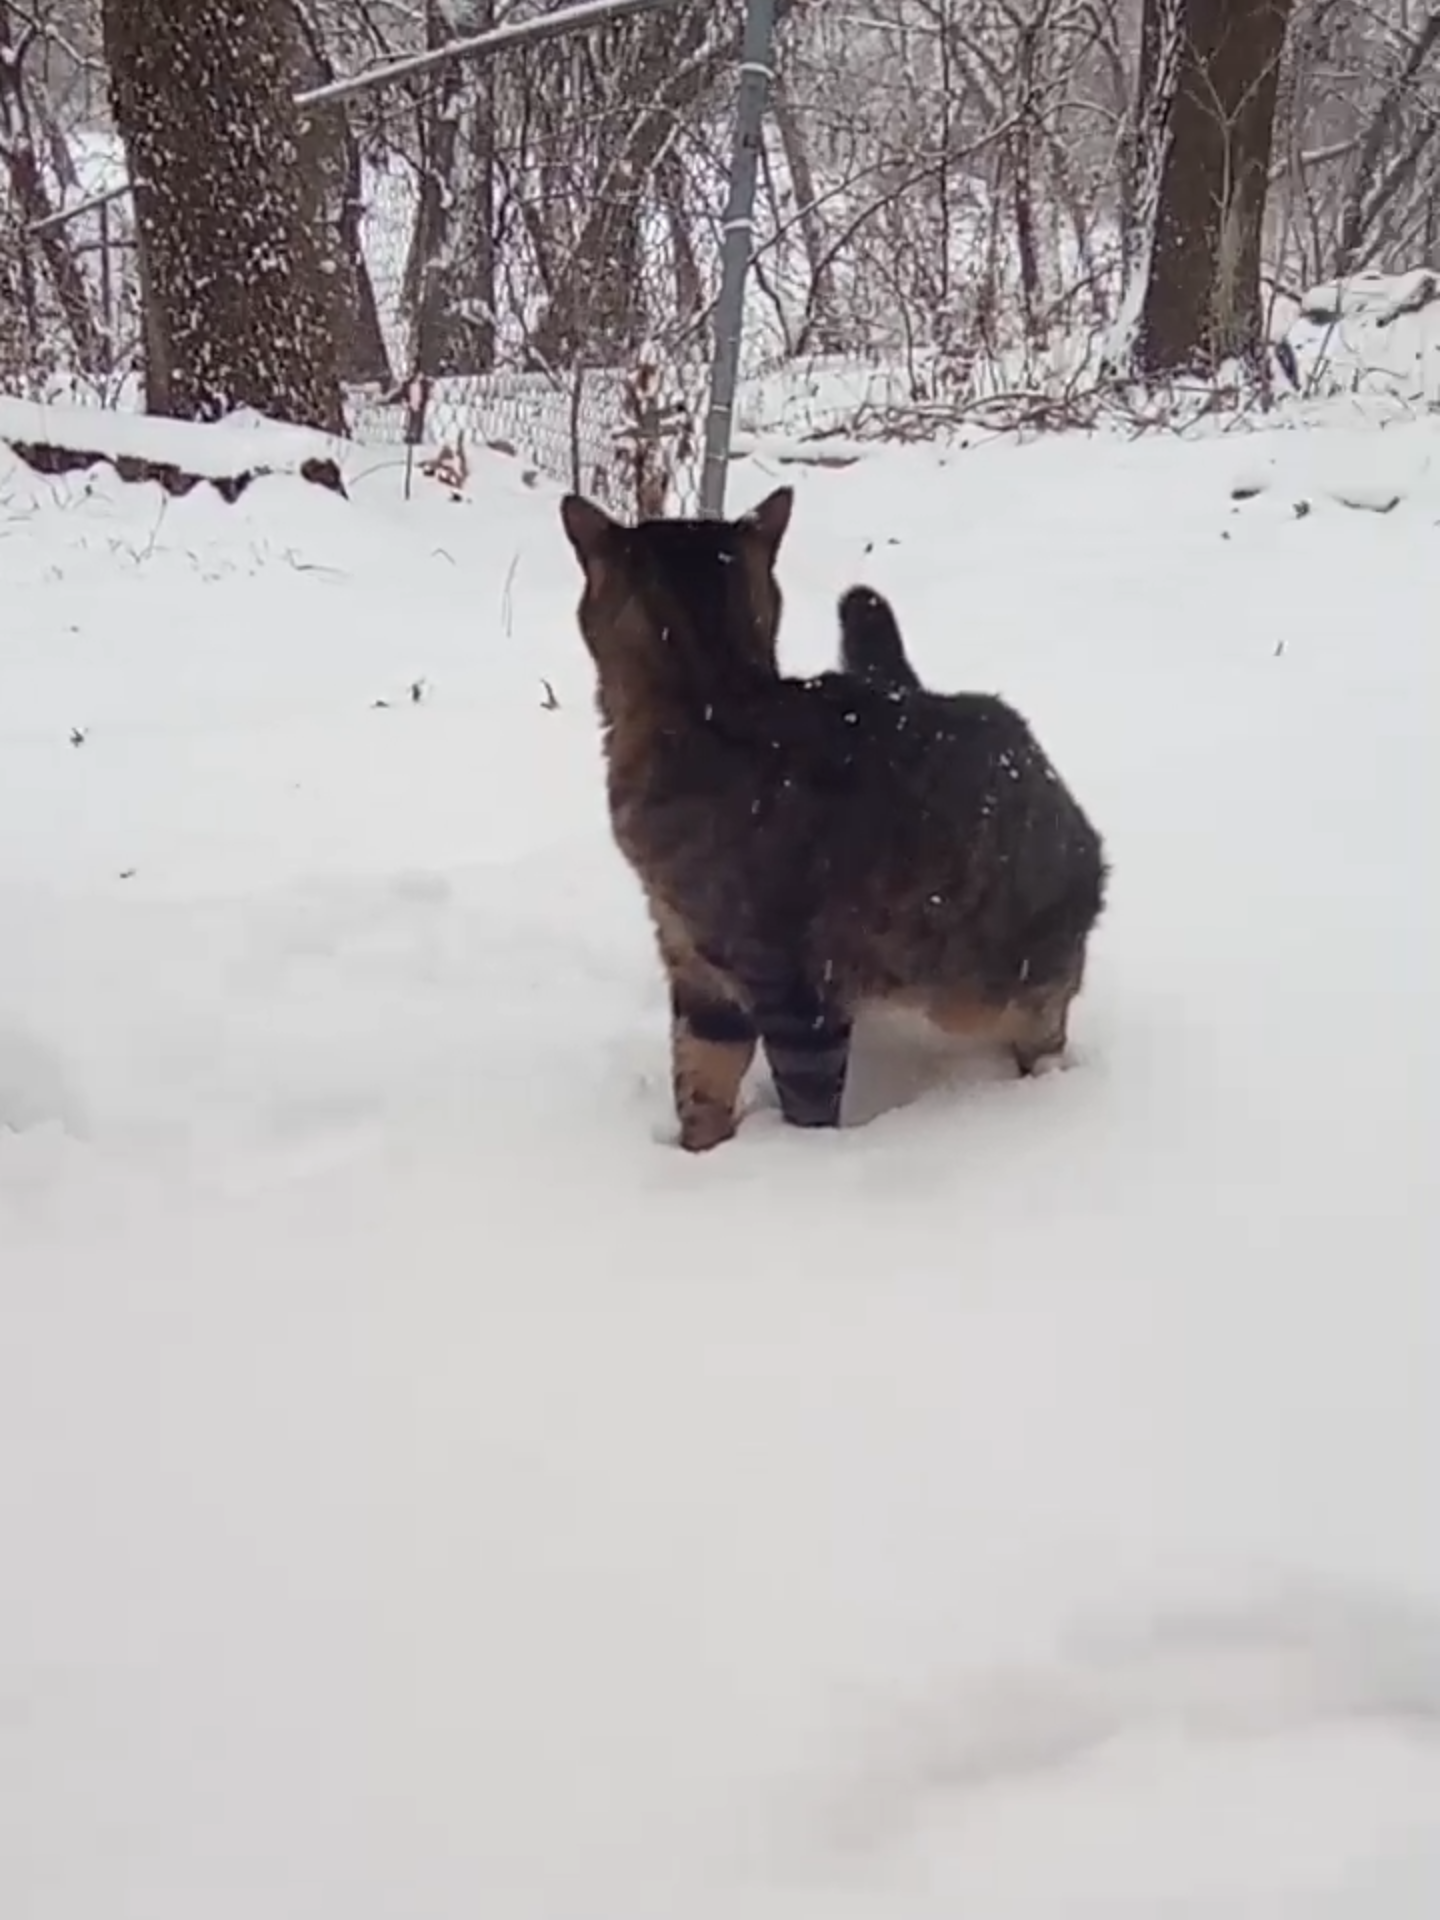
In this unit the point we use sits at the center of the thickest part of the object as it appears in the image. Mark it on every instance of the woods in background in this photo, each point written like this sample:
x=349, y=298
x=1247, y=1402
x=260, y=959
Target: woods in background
x=973, y=177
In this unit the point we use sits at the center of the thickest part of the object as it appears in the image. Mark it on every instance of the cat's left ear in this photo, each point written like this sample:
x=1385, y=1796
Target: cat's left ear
x=588, y=528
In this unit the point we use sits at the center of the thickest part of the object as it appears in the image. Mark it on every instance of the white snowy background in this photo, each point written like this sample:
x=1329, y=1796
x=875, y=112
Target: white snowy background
x=426, y=1493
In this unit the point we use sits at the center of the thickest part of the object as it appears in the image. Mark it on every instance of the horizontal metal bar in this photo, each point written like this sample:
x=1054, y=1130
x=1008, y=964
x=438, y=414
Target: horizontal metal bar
x=519, y=33
x=476, y=46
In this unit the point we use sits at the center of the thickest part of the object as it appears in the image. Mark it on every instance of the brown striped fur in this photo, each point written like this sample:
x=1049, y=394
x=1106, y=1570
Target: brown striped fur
x=806, y=846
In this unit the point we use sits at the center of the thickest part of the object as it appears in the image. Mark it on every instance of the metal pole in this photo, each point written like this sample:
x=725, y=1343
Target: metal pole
x=737, y=248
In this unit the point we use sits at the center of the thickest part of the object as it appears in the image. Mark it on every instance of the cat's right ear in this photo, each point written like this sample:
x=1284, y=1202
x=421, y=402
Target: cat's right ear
x=770, y=519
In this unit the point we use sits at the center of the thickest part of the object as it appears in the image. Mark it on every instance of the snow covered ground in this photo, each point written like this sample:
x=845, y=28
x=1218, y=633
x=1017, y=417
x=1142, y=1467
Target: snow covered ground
x=426, y=1493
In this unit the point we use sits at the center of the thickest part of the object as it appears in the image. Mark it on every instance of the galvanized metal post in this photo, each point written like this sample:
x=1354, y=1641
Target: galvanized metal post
x=737, y=248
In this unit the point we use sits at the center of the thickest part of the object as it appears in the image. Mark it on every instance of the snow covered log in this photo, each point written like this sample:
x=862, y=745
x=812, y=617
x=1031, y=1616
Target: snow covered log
x=177, y=454
x=48, y=458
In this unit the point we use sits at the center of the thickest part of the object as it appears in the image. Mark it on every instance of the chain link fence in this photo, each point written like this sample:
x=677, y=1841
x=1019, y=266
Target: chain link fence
x=524, y=248
x=526, y=244
x=540, y=234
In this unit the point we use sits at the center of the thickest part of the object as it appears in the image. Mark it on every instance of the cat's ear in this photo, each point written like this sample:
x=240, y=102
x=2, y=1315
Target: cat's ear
x=770, y=519
x=588, y=528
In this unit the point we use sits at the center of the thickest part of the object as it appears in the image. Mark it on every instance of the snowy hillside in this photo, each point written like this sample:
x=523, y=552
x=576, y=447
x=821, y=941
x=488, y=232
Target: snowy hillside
x=427, y=1493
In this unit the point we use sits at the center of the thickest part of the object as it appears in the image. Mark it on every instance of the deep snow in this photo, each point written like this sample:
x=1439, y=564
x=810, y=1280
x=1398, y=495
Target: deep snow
x=426, y=1493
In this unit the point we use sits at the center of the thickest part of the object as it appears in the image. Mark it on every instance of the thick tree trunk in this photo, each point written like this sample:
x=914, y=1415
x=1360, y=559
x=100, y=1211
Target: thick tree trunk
x=202, y=96
x=1202, y=301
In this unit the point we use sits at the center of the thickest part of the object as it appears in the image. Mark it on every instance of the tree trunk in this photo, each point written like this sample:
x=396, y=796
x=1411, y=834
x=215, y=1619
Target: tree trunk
x=1369, y=191
x=21, y=158
x=1142, y=153
x=689, y=286
x=450, y=271
x=1202, y=300
x=331, y=169
x=202, y=96
x=598, y=312
x=820, y=328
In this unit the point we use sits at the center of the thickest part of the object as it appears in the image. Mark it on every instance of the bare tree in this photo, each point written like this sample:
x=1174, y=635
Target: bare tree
x=28, y=136
x=1214, y=71
x=966, y=192
x=450, y=271
x=1390, y=153
x=236, y=309
x=650, y=78
x=332, y=171
x=821, y=326
x=957, y=185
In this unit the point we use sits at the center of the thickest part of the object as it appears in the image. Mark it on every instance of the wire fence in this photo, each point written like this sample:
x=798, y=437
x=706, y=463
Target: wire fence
x=528, y=245
x=525, y=249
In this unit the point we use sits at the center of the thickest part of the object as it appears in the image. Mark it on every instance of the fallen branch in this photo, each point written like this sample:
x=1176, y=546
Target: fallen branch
x=46, y=457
